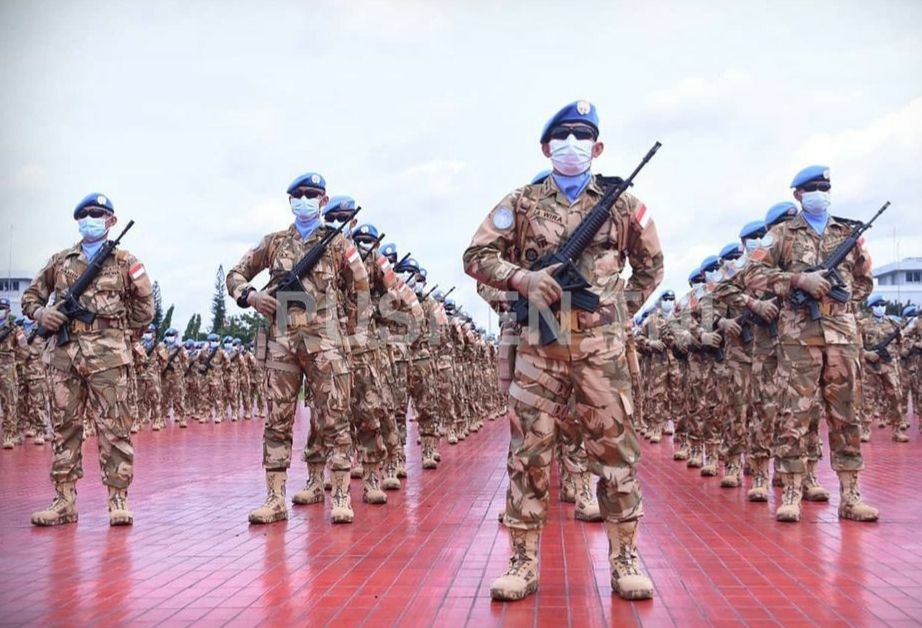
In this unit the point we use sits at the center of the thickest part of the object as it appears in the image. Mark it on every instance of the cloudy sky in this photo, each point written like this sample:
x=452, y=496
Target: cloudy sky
x=194, y=117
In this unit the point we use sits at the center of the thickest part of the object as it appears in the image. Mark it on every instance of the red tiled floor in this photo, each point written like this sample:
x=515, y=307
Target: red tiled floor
x=427, y=558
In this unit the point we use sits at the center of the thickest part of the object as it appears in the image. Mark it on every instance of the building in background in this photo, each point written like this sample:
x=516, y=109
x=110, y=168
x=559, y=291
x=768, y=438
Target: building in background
x=900, y=282
x=12, y=285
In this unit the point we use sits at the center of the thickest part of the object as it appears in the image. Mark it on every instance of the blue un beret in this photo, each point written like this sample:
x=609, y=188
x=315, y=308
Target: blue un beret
x=667, y=293
x=876, y=299
x=711, y=262
x=779, y=212
x=365, y=233
x=4, y=303
x=694, y=274
x=810, y=173
x=731, y=251
x=95, y=200
x=308, y=180
x=578, y=111
x=341, y=203
x=754, y=229
x=910, y=310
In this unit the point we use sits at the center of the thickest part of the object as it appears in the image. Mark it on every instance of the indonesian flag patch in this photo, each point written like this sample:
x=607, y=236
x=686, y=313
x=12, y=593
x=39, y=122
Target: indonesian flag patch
x=137, y=271
x=352, y=254
x=642, y=216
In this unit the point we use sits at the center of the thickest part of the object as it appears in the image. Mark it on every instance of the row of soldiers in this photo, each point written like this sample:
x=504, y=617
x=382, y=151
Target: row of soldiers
x=741, y=373
x=375, y=341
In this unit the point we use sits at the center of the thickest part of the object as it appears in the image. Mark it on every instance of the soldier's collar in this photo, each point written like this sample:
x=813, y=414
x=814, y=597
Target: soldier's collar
x=74, y=250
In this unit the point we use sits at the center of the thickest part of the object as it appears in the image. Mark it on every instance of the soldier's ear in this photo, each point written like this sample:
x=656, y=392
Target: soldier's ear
x=111, y=220
x=798, y=195
x=546, y=149
x=597, y=149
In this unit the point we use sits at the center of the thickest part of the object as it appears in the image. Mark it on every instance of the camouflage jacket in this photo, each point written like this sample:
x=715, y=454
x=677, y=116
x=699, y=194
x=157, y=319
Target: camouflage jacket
x=13, y=346
x=874, y=330
x=793, y=247
x=121, y=297
x=536, y=219
x=178, y=364
x=341, y=266
x=734, y=295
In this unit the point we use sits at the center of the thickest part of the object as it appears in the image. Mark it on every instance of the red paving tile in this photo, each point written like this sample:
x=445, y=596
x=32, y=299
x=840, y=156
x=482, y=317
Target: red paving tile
x=427, y=558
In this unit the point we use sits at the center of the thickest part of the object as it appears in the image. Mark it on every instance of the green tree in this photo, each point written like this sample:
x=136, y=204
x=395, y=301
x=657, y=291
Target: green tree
x=193, y=327
x=167, y=321
x=218, y=306
x=244, y=326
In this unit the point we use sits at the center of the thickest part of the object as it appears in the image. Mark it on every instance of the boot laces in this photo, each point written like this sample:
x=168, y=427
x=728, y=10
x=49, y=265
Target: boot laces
x=519, y=563
x=626, y=562
x=790, y=495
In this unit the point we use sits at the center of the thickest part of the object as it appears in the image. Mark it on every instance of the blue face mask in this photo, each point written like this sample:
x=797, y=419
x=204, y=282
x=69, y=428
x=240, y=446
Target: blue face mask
x=92, y=229
x=815, y=203
x=170, y=340
x=879, y=310
x=306, y=210
x=752, y=244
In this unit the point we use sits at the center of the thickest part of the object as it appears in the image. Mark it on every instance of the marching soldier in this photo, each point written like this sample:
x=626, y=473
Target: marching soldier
x=882, y=378
x=91, y=371
x=12, y=344
x=174, y=390
x=534, y=220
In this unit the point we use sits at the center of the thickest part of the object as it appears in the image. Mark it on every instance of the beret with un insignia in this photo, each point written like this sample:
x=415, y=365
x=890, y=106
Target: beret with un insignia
x=308, y=180
x=503, y=218
x=95, y=200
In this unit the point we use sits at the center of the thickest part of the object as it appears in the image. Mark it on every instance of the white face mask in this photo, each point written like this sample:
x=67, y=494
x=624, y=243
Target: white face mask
x=815, y=203
x=752, y=244
x=713, y=276
x=3, y=314
x=305, y=209
x=667, y=306
x=571, y=156
x=879, y=310
x=147, y=337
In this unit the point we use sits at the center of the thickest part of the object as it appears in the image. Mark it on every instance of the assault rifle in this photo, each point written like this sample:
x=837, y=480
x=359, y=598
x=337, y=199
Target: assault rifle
x=7, y=330
x=567, y=274
x=371, y=247
x=207, y=366
x=290, y=281
x=169, y=362
x=70, y=306
x=829, y=268
x=431, y=290
x=881, y=347
x=747, y=318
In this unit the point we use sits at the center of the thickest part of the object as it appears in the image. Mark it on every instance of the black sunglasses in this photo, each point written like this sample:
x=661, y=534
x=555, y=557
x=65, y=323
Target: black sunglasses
x=579, y=132
x=93, y=212
x=816, y=186
x=307, y=193
x=668, y=299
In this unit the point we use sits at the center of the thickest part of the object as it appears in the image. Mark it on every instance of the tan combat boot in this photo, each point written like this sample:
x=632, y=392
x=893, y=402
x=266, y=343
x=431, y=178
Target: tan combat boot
x=813, y=492
x=183, y=424
x=341, y=512
x=627, y=579
x=372, y=493
x=274, y=509
x=429, y=461
x=759, y=490
x=656, y=434
x=391, y=482
x=119, y=510
x=850, y=504
x=358, y=470
x=710, y=461
x=789, y=510
x=669, y=428
x=39, y=439
x=312, y=493
x=521, y=577
x=899, y=435
x=63, y=508
x=732, y=473
x=401, y=464
x=567, y=485
x=695, y=456
x=865, y=434
x=452, y=436
x=587, y=506
x=682, y=452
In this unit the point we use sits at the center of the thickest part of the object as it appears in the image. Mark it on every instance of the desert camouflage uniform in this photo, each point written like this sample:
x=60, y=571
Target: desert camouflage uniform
x=174, y=385
x=882, y=380
x=231, y=381
x=244, y=374
x=210, y=372
x=33, y=389
x=311, y=347
x=151, y=398
x=10, y=347
x=90, y=373
x=592, y=366
x=911, y=364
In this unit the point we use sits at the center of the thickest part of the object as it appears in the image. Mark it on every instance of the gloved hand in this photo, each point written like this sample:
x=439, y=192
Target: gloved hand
x=710, y=339
x=538, y=286
x=51, y=319
x=872, y=357
x=730, y=327
x=764, y=309
x=657, y=345
x=264, y=303
x=813, y=283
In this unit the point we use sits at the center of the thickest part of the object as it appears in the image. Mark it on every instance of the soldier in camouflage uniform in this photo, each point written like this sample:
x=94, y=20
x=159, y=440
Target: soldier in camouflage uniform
x=12, y=344
x=209, y=368
x=309, y=347
x=243, y=380
x=171, y=377
x=819, y=359
x=33, y=393
x=149, y=380
x=911, y=361
x=532, y=221
x=230, y=379
x=883, y=379
x=91, y=371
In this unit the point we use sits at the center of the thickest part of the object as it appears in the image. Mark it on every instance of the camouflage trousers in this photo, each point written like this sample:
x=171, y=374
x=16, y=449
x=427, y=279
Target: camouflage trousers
x=882, y=393
x=766, y=394
x=174, y=394
x=9, y=398
x=370, y=412
x=571, y=452
x=33, y=405
x=231, y=394
x=258, y=388
x=421, y=387
x=704, y=421
x=739, y=395
x=656, y=393
x=818, y=379
x=246, y=395
x=149, y=399
x=445, y=404
x=679, y=396
x=103, y=396
x=211, y=394
x=327, y=377
x=134, y=412
x=401, y=397
x=594, y=369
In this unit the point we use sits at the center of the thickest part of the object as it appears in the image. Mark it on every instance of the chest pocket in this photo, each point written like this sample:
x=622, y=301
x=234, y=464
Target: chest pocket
x=543, y=229
x=106, y=292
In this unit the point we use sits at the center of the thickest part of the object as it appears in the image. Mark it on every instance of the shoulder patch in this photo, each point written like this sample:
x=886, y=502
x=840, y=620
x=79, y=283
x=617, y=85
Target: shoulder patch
x=642, y=215
x=503, y=218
